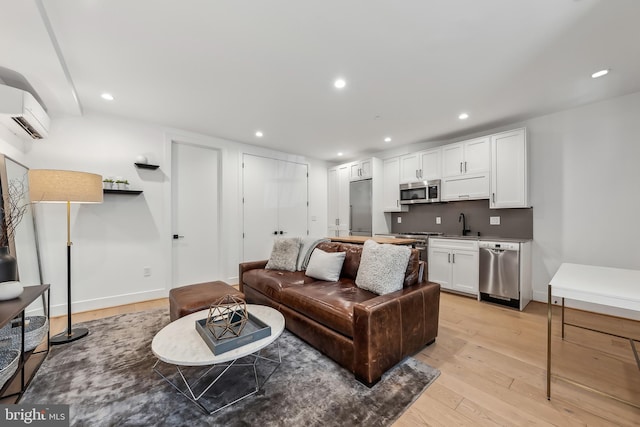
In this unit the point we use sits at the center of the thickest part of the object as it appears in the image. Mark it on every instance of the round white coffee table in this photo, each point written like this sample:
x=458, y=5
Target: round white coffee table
x=180, y=345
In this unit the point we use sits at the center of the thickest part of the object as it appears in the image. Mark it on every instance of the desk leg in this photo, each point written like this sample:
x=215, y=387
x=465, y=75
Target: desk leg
x=549, y=343
x=562, y=318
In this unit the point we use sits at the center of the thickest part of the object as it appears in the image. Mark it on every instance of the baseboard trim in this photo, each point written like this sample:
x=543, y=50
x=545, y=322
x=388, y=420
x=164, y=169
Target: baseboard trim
x=106, y=302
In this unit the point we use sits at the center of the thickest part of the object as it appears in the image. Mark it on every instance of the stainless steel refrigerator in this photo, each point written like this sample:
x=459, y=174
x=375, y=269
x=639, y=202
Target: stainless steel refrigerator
x=360, y=208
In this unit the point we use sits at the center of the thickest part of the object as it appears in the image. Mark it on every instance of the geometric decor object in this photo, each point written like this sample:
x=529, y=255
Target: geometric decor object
x=227, y=317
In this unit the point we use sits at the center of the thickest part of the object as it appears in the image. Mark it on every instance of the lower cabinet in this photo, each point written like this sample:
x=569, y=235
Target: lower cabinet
x=454, y=264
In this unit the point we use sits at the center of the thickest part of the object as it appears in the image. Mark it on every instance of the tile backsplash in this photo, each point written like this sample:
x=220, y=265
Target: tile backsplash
x=515, y=223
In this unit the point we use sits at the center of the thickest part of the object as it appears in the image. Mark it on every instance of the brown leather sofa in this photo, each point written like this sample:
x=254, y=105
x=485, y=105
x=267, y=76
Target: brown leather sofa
x=364, y=332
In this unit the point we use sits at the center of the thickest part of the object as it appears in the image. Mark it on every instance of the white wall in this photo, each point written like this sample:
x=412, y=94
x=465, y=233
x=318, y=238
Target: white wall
x=113, y=241
x=584, y=179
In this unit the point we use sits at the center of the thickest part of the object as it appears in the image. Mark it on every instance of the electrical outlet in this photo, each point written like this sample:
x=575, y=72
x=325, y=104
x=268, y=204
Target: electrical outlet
x=146, y=271
x=438, y=220
x=399, y=220
x=494, y=220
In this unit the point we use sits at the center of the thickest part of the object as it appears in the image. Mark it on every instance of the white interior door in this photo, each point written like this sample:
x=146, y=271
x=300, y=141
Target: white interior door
x=195, y=214
x=259, y=206
x=292, y=199
x=274, y=203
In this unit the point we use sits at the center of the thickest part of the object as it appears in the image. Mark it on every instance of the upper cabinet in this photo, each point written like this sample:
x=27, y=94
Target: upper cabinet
x=465, y=170
x=391, y=186
x=360, y=170
x=466, y=158
x=421, y=166
x=509, y=183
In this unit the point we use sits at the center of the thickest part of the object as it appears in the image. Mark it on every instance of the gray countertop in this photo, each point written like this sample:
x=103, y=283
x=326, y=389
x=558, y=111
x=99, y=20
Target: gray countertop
x=484, y=238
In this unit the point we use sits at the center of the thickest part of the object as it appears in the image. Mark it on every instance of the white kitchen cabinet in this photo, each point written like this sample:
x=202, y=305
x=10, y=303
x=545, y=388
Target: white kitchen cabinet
x=454, y=264
x=509, y=180
x=466, y=170
x=391, y=186
x=338, y=200
x=466, y=158
x=360, y=170
x=421, y=166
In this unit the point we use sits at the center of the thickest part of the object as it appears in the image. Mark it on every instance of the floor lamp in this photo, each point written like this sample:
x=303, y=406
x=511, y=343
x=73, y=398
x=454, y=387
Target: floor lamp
x=68, y=187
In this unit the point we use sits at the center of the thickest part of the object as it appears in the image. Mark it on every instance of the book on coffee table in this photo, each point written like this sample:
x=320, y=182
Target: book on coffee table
x=254, y=330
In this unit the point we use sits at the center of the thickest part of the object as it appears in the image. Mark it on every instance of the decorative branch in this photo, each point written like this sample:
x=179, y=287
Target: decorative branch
x=14, y=212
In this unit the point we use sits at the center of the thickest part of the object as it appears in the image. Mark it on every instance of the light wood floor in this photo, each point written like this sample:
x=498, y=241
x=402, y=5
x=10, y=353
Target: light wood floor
x=493, y=365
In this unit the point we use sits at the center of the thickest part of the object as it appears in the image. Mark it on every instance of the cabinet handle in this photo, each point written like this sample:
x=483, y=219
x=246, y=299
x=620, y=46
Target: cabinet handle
x=417, y=176
x=337, y=221
x=449, y=258
x=460, y=167
x=493, y=197
x=421, y=176
x=397, y=203
x=453, y=258
x=465, y=167
x=275, y=232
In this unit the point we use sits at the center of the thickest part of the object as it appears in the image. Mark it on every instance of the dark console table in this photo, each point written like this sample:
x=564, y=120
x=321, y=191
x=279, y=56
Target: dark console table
x=30, y=361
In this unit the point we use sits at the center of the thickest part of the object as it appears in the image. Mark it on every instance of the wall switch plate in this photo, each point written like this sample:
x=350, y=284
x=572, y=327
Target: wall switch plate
x=438, y=220
x=494, y=220
x=399, y=220
x=146, y=271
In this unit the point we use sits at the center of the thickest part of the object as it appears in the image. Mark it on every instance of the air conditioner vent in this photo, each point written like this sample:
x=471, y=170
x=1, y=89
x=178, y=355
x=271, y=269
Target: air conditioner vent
x=27, y=127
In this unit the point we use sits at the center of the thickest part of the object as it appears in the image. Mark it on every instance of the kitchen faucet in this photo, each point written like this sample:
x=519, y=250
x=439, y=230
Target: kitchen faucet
x=462, y=219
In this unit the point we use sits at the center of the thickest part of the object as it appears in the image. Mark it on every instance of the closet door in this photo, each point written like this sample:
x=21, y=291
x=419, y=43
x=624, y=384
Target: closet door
x=292, y=199
x=274, y=203
x=259, y=206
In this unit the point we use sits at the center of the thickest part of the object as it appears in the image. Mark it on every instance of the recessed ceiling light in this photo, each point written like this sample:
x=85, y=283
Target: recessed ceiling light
x=599, y=73
x=259, y=134
x=107, y=96
x=340, y=83
x=340, y=154
x=463, y=116
x=387, y=139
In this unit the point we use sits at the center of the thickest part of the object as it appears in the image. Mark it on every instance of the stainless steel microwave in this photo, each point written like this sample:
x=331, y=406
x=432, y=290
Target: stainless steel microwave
x=420, y=192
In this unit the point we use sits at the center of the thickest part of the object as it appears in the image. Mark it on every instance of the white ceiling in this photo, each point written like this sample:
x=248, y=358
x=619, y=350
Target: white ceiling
x=229, y=68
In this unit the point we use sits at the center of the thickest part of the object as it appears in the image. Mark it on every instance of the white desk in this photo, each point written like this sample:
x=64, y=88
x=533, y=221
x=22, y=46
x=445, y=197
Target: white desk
x=613, y=287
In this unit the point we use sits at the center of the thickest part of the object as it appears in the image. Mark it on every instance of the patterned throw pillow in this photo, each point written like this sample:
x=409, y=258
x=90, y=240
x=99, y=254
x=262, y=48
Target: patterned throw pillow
x=382, y=267
x=284, y=254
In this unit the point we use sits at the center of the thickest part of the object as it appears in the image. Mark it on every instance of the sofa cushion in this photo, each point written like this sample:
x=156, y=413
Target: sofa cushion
x=325, y=265
x=351, y=260
x=284, y=255
x=328, y=303
x=382, y=267
x=271, y=282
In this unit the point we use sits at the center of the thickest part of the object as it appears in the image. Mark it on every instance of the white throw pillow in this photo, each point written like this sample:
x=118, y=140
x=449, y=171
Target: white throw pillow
x=284, y=254
x=325, y=265
x=382, y=267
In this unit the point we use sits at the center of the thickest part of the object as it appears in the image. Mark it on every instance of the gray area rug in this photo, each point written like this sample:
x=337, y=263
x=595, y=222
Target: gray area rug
x=107, y=380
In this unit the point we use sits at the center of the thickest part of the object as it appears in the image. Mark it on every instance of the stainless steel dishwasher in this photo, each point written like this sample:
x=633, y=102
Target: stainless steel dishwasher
x=500, y=272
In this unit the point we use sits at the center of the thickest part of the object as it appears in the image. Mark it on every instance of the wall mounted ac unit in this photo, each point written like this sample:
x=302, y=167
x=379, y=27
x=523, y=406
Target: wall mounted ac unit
x=22, y=114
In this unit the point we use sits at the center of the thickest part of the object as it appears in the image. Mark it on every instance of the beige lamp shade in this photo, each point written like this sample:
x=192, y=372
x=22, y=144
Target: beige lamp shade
x=47, y=185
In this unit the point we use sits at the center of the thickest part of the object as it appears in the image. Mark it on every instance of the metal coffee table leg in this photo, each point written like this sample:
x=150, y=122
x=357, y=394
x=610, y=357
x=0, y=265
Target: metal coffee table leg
x=189, y=392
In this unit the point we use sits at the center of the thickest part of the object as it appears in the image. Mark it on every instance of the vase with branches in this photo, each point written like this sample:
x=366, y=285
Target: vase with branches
x=12, y=212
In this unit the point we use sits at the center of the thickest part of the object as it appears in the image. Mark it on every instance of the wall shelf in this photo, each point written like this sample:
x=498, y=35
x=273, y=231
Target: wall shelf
x=111, y=191
x=146, y=166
